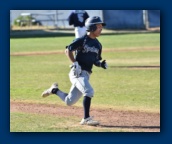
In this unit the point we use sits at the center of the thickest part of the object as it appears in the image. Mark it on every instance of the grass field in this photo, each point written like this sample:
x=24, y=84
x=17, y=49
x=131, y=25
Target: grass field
x=131, y=82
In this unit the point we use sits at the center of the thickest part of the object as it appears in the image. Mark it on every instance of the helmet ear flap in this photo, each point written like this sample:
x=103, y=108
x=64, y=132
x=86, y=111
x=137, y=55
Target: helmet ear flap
x=93, y=28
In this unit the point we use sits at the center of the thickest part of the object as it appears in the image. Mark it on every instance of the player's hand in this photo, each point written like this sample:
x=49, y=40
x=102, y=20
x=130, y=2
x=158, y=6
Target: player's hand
x=76, y=68
x=104, y=64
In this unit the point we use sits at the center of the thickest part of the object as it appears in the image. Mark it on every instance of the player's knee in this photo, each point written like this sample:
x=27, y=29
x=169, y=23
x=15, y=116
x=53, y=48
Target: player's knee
x=89, y=93
x=69, y=102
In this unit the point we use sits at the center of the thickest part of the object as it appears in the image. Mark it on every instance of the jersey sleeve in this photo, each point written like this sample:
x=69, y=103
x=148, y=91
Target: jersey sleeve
x=70, y=19
x=99, y=54
x=86, y=15
x=99, y=57
x=76, y=44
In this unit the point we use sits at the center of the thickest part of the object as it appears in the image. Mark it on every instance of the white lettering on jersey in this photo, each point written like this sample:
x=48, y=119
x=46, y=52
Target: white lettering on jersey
x=80, y=17
x=90, y=49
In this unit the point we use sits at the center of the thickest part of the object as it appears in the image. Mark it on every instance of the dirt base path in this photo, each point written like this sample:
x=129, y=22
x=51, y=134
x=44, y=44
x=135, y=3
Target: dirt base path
x=109, y=118
x=104, y=50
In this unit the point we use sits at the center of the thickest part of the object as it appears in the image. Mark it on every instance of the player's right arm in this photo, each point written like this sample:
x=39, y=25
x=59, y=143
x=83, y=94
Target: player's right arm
x=76, y=44
x=70, y=55
x=76, y=68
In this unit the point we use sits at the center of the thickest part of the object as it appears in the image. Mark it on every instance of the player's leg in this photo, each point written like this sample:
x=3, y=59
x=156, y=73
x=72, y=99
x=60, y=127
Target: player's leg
x=54, y=90
x=70, y=99
x=80, y=31
x=86, y=106
x=77, y=34
x=83, y=31
x=83, y=85
x=73, y=96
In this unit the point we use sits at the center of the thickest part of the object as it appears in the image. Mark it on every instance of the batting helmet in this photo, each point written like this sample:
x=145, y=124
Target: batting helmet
x=91, y=22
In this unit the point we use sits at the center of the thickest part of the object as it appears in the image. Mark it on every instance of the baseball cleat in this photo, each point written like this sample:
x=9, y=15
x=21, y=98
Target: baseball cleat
x=49, y=91
x=89, y=121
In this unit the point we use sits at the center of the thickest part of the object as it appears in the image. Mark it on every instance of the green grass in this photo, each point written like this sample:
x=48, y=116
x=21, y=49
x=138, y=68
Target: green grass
x=128, y=89
x=59, y=43
x=130, y=40
x=22, y=122
x=118, y=88
x=114, y=86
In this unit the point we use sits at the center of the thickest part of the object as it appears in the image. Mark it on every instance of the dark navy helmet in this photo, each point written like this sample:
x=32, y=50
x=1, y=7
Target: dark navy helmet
x=91, y=22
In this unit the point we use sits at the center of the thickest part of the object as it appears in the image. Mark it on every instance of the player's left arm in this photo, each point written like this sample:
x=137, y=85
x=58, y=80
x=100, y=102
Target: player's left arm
x=102, y=64
x=99, y=63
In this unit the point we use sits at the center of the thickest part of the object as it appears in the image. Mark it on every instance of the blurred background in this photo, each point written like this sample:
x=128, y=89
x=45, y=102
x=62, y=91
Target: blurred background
x=115, y=19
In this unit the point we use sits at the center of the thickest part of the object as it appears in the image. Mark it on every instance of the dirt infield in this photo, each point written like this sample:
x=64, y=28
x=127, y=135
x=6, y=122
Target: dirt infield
x=134, y=121
x=104, y=50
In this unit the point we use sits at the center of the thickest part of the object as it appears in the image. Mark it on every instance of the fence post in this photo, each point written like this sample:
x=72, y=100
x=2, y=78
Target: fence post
x=56, y=18
x=145, y=19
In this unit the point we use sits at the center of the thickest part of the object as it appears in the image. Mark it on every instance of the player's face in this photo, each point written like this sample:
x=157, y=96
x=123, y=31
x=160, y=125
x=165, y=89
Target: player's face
x=98, y=30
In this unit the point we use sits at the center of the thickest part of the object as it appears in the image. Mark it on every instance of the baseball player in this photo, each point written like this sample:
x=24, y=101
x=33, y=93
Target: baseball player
x=77, y=19
x=87, y=53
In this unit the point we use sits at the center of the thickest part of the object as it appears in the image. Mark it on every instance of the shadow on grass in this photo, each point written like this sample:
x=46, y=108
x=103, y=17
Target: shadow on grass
x=137, y=67
x=131, y=127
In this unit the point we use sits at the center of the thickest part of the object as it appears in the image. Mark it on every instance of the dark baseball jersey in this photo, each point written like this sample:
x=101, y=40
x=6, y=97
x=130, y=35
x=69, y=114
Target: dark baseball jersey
x=77, y=18
x=87, y=52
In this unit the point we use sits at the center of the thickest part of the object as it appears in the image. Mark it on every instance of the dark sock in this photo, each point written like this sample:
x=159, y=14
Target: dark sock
x=86, y=105
x=54, y=90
